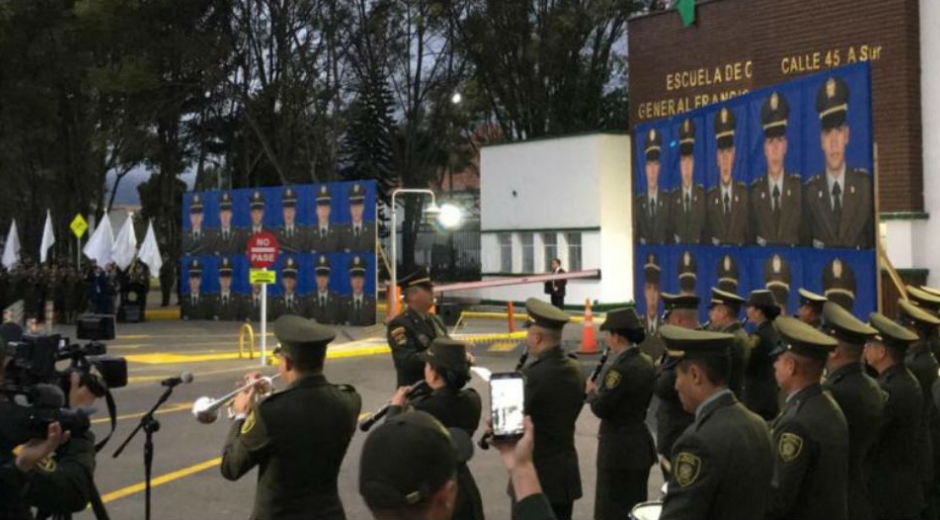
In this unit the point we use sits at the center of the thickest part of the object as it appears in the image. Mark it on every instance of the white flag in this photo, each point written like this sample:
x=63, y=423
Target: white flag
x=11, y=251
x=99, y=245
x=48, y=238
x=150, y=252
x=125, y=245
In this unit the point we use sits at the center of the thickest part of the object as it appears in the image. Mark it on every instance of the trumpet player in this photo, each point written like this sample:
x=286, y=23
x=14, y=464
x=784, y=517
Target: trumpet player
x=446, y=372
x=299, y=436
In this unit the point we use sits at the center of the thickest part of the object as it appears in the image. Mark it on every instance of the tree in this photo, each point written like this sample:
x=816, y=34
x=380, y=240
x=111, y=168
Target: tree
x=548, y=68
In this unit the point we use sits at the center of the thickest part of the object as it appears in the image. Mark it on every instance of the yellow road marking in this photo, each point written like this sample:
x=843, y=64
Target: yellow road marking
x=503, y=346
x=170, y=477
x=233, y=335
x=160, y=377
x=162, y=479
x=165, y=358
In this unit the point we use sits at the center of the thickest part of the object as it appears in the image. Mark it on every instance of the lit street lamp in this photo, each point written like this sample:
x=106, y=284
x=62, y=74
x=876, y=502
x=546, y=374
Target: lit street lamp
x=448, y=215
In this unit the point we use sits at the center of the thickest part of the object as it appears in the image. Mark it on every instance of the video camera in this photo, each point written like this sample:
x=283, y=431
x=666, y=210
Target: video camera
x=39, y=390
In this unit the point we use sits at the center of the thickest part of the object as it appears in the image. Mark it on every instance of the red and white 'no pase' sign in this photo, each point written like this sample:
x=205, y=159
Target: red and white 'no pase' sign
x=262, y=250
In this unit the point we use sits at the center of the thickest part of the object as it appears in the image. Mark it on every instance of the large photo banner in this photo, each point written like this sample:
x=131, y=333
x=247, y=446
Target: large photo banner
x=326, y=269
x=770, y=190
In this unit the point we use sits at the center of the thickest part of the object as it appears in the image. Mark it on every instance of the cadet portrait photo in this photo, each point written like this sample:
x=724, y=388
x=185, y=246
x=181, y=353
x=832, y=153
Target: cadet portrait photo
x=229, y=240
x=727, y=201
x=838, y=199
x=688, y=200
x=651, y=209
x=324, y=237
x=776, y=195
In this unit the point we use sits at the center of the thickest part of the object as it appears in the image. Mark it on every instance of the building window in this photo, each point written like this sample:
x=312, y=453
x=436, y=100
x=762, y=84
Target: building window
x=505, y=253
x=528, y=252
x=574, y=251
x=550, y=243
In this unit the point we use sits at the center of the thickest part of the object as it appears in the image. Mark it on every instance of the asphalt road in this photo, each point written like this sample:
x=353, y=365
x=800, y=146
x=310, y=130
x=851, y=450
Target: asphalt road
x=188, y=484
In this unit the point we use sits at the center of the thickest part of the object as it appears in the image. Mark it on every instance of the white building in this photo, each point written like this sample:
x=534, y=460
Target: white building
x=568, y=198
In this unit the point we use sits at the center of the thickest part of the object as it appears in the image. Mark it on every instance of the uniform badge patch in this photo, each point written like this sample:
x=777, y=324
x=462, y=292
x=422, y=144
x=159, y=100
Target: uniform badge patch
x=47, y=464
x=687, y=468
x=612, y=379
x=399, y=336
x=249, y=423
x=790, y=446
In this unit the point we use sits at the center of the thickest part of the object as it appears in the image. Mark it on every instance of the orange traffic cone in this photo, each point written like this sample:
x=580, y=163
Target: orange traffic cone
x=588, y=341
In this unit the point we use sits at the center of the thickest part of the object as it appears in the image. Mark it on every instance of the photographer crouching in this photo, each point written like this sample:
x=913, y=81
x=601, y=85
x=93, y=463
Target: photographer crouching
x=51, y=471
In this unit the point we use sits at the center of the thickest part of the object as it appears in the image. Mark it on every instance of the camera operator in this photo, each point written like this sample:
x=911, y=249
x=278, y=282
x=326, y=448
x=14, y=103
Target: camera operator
x=64, y=483
x=16, y=469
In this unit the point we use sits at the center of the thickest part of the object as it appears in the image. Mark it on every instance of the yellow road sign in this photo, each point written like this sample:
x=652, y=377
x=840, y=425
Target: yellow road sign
x=262, y=276
x=79, y=226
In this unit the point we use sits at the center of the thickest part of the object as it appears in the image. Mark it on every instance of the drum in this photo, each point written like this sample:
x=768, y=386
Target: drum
x=647, y=511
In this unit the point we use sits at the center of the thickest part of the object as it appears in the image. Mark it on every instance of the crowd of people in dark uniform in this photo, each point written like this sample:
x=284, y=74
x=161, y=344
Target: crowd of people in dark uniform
x=70, y=290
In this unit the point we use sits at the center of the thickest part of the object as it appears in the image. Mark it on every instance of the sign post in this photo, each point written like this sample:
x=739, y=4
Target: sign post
x=79, y=226
x=263, y=250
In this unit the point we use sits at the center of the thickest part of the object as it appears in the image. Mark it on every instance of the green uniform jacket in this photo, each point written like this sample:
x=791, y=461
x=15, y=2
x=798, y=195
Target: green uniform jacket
x=862, y=402
x=855, y=229
x=64, y=483
x=297, y=438
x=760, y=386
x=722, y=465
x=455, y=409
x=740, y=353
x=625, y=443
x=410, y=334
x=671, y=418
x=533, y=507
x=812, y=446
x=922, y=363
x=554, y=395
x=895, y=484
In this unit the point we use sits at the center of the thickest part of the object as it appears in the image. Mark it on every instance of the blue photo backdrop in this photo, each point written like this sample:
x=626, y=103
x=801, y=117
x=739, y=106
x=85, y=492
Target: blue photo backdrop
x=345, y=240
x=825, y=253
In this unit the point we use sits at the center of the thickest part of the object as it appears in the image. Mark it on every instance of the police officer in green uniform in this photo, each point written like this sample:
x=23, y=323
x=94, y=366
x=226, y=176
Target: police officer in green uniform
x=688, y=272
x=229, y=240
x=195, y=305
x=229, y=306
x=359, y=235
x=777, y=280
x=412, y=331
x=359, y=306
x=625, y=450
x=256, y=213
x=290, y=301
x=297, y=437
x=291, y=236
x=723, y=462
x=554, y=395
x=858, y=395
x=776, y=198
x=839, y=283
x=197, y=239
x=671, y=418
x=922, y=363
x=653, y=345
x=723, y=314
x=446, y=372
x=838, y=201
x=810, y=434
x=727, y=206
x=408, y=466
x=728, y=274
x=811, y=308
x=322, y=236
x=930, y=302
x=894, y=480
x=760, y=389
x=651, y=211
x=688, y=200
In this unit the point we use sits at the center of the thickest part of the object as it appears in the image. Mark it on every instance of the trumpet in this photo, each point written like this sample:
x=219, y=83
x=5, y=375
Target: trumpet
x=206, y=409
x=374, y=417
